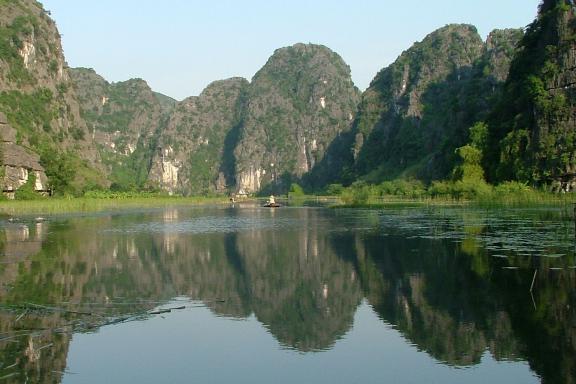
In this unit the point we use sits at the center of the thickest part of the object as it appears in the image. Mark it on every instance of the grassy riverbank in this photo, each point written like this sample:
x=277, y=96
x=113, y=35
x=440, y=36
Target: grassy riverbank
x=54, y=205
x=354, y=197
x=439, y=193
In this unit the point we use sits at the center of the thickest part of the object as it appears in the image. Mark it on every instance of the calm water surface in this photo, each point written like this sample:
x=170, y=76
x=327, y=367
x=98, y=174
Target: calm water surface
x=252, y=295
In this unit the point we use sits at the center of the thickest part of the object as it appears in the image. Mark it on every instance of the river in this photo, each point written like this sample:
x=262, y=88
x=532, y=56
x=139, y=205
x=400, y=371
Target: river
x=245, y=294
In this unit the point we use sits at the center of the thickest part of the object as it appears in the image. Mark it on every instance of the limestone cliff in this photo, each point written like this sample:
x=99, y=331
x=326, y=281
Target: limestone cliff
x=18, y=163
x=417, y=110
x=533, y=129
x=124, y=119
x=301, y=118
x=194, y=151
x=298, y=103
x=36, y=94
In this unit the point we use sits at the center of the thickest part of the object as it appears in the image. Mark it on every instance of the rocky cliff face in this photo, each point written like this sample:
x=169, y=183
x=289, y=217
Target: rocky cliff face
x=124, y=119
x=301, y=118
x=234, y=136
x=194, y=152
x=19, y=165
x=533, y=129
x=417, y=110
x=249, y=136
x=36, y=93
x=298, y=103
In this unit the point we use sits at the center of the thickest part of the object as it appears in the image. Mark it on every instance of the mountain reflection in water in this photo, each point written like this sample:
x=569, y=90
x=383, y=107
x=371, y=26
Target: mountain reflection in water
x=453, y=283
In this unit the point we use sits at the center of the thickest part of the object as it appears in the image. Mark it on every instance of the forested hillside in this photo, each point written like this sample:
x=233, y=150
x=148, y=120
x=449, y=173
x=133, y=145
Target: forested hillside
x=418, y=110
x=532, y=131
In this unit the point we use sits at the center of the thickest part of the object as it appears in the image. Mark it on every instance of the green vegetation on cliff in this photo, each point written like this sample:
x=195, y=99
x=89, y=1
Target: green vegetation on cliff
x=302, y=120
x=299, y=102
x=125, y=119
x=39, y=102
x=418, y=110
x=11, y=42
x=198, y=141
x=532, y=134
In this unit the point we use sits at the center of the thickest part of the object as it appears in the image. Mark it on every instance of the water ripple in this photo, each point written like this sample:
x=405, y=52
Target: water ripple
x=211, y=224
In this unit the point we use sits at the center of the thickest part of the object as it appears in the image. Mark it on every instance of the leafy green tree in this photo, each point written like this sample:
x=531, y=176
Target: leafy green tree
x=27, y=191
x=334, y=189
x=469, y=167
x=295, y=190
x=60, y=170
x=479, y=135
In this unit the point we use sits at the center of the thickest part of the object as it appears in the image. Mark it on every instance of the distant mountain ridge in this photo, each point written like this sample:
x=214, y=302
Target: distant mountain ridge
x=194, y=149
x=235, y=137
x=300, y=119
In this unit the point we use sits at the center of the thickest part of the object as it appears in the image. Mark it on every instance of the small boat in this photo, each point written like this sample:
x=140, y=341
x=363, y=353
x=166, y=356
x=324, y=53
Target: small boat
x=271, y=203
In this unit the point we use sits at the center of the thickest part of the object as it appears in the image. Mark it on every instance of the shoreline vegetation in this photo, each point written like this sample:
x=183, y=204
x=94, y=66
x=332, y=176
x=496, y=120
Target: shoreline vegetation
x=99, y=202
x=357, y=195
x=460, y=193
x=473, y=193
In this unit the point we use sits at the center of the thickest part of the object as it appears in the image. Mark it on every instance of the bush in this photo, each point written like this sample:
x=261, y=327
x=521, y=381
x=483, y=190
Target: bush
x=440, y=188
x=27, y=191
x=471, y=189
x=295, y=190
x=335, y=189
x=512, y=187
x=461, y=189
x=400, y=187
x=357, y=194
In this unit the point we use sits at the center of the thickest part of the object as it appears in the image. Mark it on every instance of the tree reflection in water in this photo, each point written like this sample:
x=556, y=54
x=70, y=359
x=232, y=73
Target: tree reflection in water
x=442, y=278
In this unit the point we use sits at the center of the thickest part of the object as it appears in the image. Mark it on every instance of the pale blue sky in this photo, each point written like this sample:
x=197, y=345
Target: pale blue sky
x=180, y=46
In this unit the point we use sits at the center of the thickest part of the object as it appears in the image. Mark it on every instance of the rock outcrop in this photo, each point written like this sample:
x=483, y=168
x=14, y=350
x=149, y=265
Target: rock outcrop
x=18, y=163
x=533, y=129
x=36, y=93
x=124, y=120
x=194, y=154
x=418, y=110
x=247, y=137
x=299, y=102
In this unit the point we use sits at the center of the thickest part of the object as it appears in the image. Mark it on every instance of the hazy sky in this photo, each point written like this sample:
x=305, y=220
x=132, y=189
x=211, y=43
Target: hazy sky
x=180, y=46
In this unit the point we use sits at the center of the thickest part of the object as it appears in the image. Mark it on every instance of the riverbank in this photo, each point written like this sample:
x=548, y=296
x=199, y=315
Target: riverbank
x=58, y=205
x=54, y=205
x=510, y=194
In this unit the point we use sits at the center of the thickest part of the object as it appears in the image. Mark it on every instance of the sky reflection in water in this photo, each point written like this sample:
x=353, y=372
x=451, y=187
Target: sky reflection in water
x=290, y=295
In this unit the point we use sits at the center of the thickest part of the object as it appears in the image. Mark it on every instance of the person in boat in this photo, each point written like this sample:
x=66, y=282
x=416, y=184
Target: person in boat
x=271, y=200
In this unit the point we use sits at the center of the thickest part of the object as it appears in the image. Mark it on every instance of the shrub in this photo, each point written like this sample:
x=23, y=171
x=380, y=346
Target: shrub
x=401, y=187
x=470, y=189
x=440, y=188
x=512, y=187
x=357, y=194
x=461, y=189
x=295, y=190
x=335, y=189
x=27, y=191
